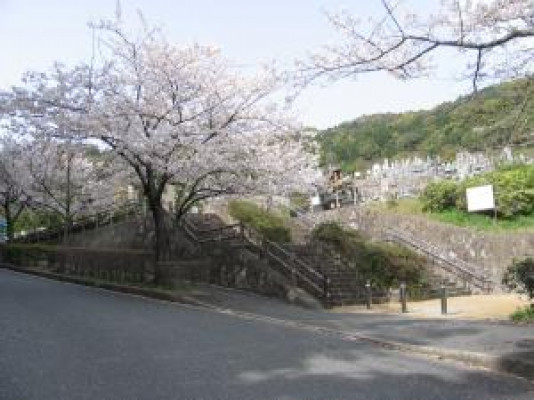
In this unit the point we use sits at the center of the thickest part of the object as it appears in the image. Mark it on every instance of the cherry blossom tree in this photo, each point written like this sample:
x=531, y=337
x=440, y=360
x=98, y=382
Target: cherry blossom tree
x=494, y=39
x=174, y=115
x=63, y=180
x=13, y=176
x=248, y=164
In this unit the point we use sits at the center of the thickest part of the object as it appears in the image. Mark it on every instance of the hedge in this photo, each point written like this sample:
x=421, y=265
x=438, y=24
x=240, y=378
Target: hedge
x=384, y=264
x=270, y=224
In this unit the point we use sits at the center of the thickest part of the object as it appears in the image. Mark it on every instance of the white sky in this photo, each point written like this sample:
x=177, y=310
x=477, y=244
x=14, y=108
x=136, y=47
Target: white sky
x=35, y=33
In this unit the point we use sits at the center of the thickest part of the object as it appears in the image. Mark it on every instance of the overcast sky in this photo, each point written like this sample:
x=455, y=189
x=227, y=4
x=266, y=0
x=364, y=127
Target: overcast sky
x=35, y=33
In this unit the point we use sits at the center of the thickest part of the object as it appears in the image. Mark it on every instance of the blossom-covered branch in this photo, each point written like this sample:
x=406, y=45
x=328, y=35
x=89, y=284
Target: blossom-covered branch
x=495, y=39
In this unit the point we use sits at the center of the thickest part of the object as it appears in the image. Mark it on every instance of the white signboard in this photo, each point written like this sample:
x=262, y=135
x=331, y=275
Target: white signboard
x=315, y=200
x=480, y=198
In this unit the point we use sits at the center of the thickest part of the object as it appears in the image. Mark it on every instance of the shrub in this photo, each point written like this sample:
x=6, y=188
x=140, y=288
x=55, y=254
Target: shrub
x=514, y=189
x=271, y=225
x=520, y=276
x=384, y=264
x=439, y=196
x=341, y=239
x=21, y=254
x=523, y=314
x=392, y=203
x=300, y=201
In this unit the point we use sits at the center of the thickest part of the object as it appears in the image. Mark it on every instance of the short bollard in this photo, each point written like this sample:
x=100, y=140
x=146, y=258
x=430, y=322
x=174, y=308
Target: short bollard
x=403, y=297
x=369, y=294
x=443, y=299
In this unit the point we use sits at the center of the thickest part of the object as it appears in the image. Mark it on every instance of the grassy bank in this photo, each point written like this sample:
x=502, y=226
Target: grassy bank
x=270, y=223
x=456, y=217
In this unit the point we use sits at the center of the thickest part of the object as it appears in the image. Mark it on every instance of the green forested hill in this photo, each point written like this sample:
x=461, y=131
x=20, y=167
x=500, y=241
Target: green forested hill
x=494, y=117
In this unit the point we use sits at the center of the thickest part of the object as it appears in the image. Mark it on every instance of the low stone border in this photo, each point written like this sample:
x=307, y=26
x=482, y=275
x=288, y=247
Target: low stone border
x=515, y=366
x=136, y=290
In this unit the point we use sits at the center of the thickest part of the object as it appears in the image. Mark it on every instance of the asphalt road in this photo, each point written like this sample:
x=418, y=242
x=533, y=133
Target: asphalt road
x=61, y=341
x=496, y=338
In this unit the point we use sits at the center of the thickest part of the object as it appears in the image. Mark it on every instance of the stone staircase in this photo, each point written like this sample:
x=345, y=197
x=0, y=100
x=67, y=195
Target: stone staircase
x=209, y=229
x=346, y=286
x=311, y=266
x=460, y=277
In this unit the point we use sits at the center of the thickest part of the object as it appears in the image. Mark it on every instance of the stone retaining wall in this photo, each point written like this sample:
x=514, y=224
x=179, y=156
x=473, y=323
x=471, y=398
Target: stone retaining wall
x=491, y=252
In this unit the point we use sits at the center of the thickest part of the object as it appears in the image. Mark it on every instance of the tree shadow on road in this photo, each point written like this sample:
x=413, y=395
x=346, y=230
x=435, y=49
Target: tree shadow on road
x=520, y=360
x=382, y=375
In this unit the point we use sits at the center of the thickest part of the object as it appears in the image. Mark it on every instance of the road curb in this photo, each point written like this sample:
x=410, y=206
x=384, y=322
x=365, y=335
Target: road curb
x=513, y=366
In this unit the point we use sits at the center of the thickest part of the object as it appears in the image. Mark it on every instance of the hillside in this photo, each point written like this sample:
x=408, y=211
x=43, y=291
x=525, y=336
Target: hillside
x=498, y=115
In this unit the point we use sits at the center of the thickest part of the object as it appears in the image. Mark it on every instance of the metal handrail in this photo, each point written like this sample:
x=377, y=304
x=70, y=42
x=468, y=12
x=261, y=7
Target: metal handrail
x=459, y=265
x=222, y=228
x=99, y=218
x=295, y=259
x=297, y=273
x=287, y=260
x=189, y=229
x=423, y=245
x=318, y=275
x=195, y=233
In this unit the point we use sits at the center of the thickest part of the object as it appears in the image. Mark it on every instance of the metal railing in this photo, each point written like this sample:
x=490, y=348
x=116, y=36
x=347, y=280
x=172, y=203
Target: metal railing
x=282, y=260
x=456, y=266
x=81, y=223
x=453, y=265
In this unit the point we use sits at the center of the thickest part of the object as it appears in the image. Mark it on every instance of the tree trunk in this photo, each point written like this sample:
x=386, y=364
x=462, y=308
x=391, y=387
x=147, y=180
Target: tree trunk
x=153, y=187
x=66, y=229
x=68, y=201
x=161, y=235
